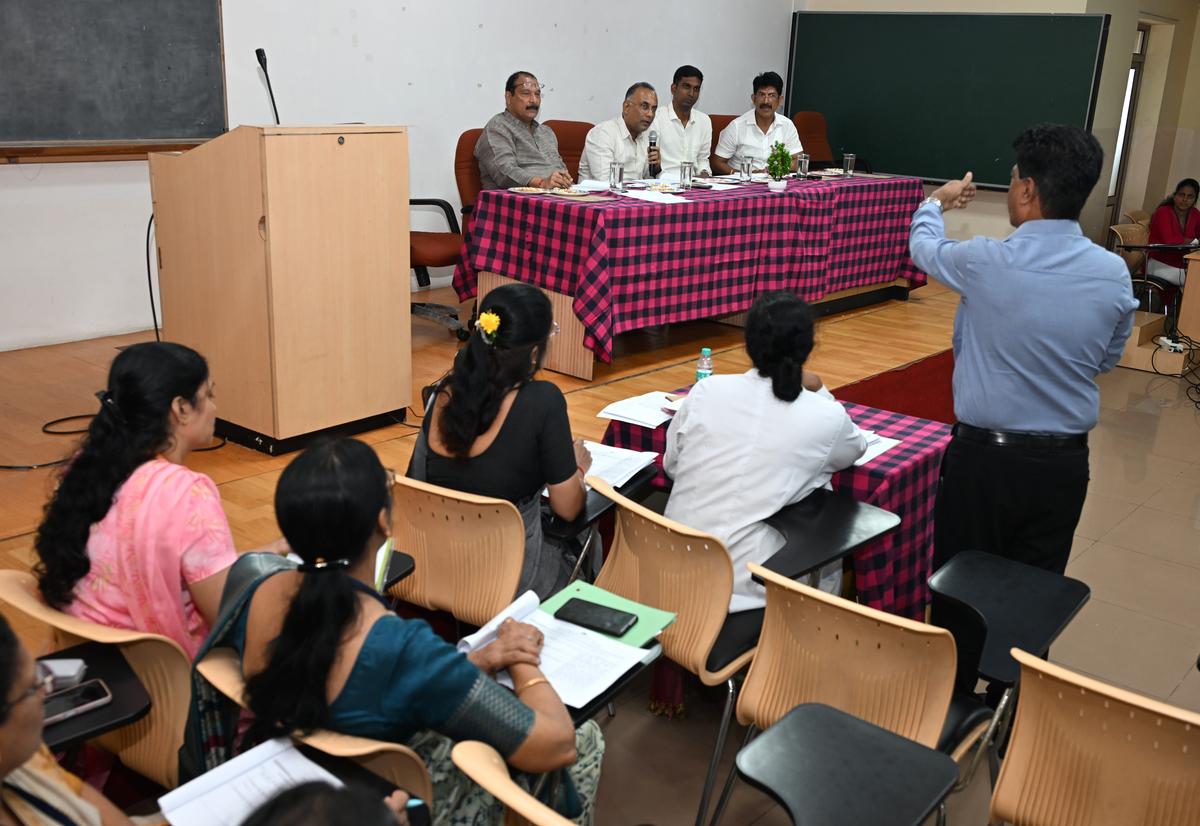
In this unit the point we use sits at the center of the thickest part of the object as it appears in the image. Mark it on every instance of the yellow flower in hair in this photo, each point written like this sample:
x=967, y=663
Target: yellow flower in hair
x=488, y=323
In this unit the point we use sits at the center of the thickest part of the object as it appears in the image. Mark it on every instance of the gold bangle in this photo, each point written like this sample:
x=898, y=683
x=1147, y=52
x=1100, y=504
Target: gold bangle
x=531, y=684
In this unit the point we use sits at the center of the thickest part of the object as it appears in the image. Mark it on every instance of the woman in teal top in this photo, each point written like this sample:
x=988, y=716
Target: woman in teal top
x=321, y=649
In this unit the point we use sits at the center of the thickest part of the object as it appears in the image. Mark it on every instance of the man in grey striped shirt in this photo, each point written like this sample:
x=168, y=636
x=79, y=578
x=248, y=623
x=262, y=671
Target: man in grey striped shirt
x=516, y=150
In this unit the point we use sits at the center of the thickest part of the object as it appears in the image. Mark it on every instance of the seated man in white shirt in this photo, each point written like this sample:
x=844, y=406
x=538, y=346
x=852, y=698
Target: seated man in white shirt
x=684, y=133
x=752, y=135
x=623, y=139
x=743, y=446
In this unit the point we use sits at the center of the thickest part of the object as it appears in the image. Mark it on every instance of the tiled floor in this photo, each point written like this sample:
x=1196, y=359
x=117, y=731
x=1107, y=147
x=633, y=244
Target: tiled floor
x=1137, y=547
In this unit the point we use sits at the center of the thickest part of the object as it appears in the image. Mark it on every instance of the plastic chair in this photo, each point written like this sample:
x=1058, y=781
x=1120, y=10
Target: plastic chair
x=395, y=763
x=1153, y=294
x=1083, y=751
x=1137, y=216
x=467, y=549
x=814, y=136
x=893, y=672
x=662, y=563
x=149, y=746
x=1132, y=234
x=571, y=134
x=485, y=766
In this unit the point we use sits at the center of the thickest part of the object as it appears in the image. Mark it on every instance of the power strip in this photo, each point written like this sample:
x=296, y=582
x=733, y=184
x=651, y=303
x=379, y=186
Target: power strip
x=1169, y=344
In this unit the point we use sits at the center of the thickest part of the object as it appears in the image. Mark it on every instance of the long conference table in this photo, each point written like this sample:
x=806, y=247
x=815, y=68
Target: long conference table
x=611, y=264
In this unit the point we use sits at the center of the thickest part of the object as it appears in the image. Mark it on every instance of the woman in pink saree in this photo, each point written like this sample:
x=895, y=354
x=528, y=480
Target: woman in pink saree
x=132, y=538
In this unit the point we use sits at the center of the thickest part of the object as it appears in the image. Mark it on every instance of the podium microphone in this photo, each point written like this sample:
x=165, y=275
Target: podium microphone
x=655, y=169
x=261, y=54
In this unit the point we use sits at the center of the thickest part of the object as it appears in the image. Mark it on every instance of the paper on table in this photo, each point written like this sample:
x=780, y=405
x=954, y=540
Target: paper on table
x=655, y=197
x=718, y=187
x=579, y=663
x=880, y=445
x=592, y=186
x=226, y=795
x=647, y=410
x=518, y=610
x=617, y=465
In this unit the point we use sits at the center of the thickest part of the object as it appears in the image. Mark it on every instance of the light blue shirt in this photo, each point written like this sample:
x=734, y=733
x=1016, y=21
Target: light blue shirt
x=1043, y=312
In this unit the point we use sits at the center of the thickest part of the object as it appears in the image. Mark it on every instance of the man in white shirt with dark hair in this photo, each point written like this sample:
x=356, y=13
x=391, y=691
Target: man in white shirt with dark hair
x=752, y=135
x=624, y=139
x=684, y=133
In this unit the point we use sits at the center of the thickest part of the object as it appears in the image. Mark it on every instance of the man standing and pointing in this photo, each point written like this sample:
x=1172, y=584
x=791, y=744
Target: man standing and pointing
x=1043, y=312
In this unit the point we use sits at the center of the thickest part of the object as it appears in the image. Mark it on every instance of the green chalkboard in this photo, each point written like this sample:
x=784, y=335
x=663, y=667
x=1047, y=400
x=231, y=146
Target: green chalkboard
x=934, y=95
x=111, y=71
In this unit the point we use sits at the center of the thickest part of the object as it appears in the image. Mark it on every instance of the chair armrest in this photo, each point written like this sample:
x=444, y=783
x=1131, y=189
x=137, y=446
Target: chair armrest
x=444, y=206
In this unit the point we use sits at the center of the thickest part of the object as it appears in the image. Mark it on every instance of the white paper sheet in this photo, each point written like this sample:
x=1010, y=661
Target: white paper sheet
x=647, y=410
x=716, y=187
x=654, y=197
x=876, y=447
x=518, y=609
x=593, y=186
x=226, y=795
x=580, y=664
x=617, y=465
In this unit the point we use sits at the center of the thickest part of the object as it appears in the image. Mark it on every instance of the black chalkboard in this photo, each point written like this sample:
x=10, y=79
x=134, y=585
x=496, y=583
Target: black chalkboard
x=110, y=70
x=935, y=95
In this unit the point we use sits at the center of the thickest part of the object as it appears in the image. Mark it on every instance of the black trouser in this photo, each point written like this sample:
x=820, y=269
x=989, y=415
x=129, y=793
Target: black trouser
x=1016, y=501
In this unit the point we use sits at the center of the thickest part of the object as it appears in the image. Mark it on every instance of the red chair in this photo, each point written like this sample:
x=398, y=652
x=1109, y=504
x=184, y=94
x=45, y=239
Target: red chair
x=719, y=122
x=813, y=136
x=441, y=249
x=571, y=134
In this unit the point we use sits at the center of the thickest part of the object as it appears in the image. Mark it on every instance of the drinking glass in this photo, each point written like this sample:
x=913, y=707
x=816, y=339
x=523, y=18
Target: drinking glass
x=685, y=174
x=848, y=163
x=744, y=168
x=616, y=176
x=802, y=165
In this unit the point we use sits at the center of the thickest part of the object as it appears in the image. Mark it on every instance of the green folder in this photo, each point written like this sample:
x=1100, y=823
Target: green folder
x=649, y=623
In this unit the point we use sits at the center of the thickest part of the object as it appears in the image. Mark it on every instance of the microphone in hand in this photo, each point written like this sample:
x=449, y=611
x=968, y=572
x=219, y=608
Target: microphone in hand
x=655, y=168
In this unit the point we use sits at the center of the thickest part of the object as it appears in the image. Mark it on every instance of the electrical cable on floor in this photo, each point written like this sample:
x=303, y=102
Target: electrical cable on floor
x=48, y=428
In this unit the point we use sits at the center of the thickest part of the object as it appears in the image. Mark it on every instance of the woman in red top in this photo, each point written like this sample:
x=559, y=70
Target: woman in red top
x=1176, y=221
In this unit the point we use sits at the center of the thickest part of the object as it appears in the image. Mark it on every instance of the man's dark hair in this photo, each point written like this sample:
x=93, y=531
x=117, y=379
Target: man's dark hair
x=1064, y=162
x=687, y=71
x=641, y=84
x=510, y=85
x=769, y=79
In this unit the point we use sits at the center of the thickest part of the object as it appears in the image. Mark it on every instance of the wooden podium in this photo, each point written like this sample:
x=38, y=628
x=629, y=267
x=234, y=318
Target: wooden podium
x=283, y=259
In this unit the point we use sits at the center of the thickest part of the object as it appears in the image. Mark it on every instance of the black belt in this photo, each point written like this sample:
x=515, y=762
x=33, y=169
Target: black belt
x=1005, y=438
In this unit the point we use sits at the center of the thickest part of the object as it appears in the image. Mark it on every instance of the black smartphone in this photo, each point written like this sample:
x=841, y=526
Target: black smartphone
x=63, y=705
x=596, y=617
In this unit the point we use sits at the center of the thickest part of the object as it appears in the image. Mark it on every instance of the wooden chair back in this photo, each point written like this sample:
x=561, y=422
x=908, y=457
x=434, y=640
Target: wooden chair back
x=670, y=566
x=467, y=550
x=395, y=763
x=485, y=766
x=1137, y=216
x=819, y=648
x=1083, y=751
x=719, y=122
x=149, y=746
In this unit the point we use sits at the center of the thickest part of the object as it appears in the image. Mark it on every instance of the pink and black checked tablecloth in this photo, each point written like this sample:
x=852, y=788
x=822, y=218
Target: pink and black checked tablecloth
x=890, y=573
x=632, y=264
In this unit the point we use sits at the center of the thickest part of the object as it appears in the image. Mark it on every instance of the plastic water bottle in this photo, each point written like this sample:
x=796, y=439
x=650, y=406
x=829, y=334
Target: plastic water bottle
x=704, y=367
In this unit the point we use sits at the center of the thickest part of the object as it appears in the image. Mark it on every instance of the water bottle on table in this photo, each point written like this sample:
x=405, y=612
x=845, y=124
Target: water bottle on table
x=704, y=367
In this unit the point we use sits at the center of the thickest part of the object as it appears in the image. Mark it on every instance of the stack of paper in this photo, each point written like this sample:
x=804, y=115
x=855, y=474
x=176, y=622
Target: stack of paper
x=647, y=410
x=617, y=465
x=580, y=664
x=654, y=197
x=226, y=795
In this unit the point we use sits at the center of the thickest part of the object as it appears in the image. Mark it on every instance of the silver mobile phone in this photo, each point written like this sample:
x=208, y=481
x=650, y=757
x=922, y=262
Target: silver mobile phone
x=63, y=705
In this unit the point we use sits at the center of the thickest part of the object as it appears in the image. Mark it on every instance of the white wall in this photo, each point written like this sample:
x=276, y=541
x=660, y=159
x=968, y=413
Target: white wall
x=71, y=235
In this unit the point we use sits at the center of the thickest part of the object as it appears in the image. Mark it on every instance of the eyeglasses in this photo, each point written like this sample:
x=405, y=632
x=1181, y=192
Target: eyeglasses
x=529, y=88
x=43, y=681
x=391, y=476
x=767, y=96
x=555, y=329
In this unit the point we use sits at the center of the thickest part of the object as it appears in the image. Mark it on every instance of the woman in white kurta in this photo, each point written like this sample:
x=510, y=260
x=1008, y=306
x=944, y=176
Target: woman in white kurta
x=743, y=446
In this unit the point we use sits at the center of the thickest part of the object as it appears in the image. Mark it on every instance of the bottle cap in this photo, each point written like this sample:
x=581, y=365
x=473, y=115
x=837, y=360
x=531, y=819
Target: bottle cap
x=706, y=351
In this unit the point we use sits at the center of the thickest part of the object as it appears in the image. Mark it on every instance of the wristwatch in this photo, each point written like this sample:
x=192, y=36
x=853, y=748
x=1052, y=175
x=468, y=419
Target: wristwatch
x=933, y=200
